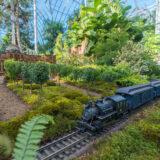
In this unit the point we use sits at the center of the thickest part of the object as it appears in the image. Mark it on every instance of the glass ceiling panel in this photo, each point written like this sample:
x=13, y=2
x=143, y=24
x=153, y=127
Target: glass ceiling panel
x=55, y=10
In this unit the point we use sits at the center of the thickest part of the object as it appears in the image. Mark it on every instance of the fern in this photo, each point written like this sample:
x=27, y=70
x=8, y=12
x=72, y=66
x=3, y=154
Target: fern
x=29, y=136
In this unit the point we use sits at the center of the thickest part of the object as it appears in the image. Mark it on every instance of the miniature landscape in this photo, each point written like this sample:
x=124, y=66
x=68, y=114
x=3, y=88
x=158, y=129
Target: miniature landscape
x=85, y=85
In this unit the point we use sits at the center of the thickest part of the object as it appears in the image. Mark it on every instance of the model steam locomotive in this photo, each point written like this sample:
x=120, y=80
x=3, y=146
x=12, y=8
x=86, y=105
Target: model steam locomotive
x=125, y=100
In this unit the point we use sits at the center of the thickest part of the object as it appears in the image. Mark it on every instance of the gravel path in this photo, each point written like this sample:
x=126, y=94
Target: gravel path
x=10, y=105
x=85, y=91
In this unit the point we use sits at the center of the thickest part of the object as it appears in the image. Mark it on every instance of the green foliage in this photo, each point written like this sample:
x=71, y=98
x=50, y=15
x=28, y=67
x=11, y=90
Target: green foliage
x=135, y=55
x=72, y=94
x=70, y=108
x=41, y=73
x=51, y=83
x=62, y=125
x=58, y=50
x=10, y=128
x=106, y=50
x=106, y=28
x=30, y=134
x=5, y=147
x=111, y=74
x=34, y=86
x=50, y=33
x=132, y=80
x=6, y=40
x=77, y=72
x=26, y=71
x=90, y=75
x=13, y=68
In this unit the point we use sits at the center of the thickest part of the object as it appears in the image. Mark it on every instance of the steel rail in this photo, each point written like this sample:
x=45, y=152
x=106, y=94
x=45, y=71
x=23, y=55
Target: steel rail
x=65, y=144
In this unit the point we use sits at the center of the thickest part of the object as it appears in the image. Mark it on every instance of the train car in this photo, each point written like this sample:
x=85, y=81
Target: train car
x=108, y=108
x=137, y=95
x=156, y=86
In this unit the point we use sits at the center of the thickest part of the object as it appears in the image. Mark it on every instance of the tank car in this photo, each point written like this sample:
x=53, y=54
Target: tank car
x=103, y=109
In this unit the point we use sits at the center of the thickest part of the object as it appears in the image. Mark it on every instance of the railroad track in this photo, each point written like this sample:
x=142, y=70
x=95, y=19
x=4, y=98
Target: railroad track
x=61, y=148
x=66, y=146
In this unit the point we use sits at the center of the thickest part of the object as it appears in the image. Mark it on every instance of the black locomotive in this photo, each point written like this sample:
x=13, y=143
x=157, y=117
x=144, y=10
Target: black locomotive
x=111, y=107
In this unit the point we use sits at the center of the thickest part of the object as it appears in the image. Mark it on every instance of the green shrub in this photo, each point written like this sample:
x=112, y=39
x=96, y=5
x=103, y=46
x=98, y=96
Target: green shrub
x=61, y=126
x=10, y=128
x=40, y=74
x=150, y=130
x=111, y=74
x=132, y=80
x=49, y=108
x=90, y=75
x=70, y=108
x=51, y=83
x=72, y=94
x=5, y=147
x=126, y=144
x=13, y=68
x=31, y=99
x=34, y=86
x=83, y=99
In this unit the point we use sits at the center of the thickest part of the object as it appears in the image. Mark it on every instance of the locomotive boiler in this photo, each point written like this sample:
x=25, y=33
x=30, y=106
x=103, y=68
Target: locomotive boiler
x=103, y=109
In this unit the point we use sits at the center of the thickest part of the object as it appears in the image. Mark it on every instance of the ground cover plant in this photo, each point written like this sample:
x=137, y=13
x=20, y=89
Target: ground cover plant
x=140, y=140
x=64, y=104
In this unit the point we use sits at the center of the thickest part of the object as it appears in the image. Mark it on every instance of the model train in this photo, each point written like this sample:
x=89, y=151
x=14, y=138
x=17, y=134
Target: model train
x=125, y=100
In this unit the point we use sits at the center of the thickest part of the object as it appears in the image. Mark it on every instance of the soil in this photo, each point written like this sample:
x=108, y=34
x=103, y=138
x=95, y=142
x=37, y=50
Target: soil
x=10, y=105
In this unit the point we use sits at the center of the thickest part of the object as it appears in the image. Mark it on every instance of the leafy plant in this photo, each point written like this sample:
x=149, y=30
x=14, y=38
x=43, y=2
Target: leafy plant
x=29, y=136
x=40, y=74
x=13, y=68
x=5, y=147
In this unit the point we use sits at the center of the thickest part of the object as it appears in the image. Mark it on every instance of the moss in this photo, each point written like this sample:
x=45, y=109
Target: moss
x=50, y=83
x=70, y=108
x=31, y=99
x=83, y=99
x=49, y=107
x=62, y=125
x=10, y=128
x=72, y=94
x=34, y=86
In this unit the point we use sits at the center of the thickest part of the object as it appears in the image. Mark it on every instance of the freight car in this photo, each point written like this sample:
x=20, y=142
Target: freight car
x=107, y=108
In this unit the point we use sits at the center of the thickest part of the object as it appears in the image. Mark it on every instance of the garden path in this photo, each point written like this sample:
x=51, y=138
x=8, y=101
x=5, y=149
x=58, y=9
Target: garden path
x=10, y=105
x=85, y=91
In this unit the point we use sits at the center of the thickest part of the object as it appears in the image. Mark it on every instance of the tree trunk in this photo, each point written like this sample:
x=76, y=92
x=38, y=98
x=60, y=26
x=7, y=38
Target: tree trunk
x=35, y=27
x=23, y=85
x=31, y=87
x=13, y=23
x=157, y=28
x=17, y=27
x=40, y=93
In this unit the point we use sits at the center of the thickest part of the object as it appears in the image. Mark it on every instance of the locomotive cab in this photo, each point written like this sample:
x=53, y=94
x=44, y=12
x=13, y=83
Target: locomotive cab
x=119, y=103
